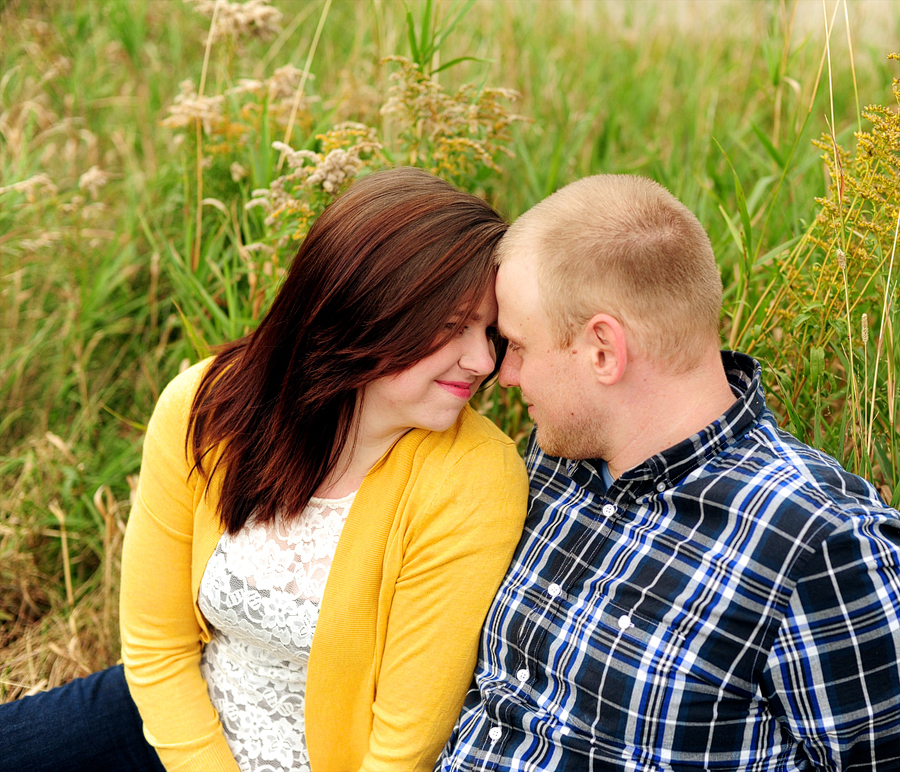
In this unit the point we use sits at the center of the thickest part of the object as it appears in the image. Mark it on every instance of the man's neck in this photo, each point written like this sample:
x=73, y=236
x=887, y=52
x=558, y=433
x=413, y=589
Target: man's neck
x=664, y=409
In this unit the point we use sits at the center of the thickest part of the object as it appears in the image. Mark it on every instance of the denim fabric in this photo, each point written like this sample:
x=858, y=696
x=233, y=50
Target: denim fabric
x=88, y=725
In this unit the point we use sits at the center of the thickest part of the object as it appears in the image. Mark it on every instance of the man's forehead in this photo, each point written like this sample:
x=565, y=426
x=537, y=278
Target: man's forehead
x=518, y=299
x=517, y=271
x=506, y=326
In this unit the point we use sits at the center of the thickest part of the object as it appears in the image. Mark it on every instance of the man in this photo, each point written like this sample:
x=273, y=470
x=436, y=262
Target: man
x=695, y=589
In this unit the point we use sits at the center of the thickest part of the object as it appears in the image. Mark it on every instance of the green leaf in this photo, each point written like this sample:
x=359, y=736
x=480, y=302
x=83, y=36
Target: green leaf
x=735, y=233
x=777, y=250
x=742, y=208
x=411, y=35
x=816, y=364
x=426, y=38
x=769, y=147
x=745, y=215
x=448, y=26
x=799, y=320
x=128, y=421
x=795, y=422
x=459, y=59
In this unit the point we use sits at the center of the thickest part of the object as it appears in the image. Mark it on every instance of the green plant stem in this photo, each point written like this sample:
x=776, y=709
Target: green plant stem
x=198, y=235
x=298, y=95
x=884, y=328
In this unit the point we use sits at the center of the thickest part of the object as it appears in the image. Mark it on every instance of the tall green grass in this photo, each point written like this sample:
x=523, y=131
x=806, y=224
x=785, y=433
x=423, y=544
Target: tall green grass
x=107, y=289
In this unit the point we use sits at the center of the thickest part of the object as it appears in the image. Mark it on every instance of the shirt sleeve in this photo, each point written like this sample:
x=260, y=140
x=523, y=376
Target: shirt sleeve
x=455, y=556
x=161, y=643
x=833, y=675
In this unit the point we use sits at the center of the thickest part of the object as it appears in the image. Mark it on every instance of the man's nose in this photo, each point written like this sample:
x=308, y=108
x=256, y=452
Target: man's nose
x=509, y=370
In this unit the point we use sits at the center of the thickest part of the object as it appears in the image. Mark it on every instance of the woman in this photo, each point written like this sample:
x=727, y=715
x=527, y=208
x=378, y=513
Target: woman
x=332, y=442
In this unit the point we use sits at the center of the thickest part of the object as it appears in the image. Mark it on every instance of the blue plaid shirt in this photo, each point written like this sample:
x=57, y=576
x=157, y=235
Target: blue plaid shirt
x=733, y=603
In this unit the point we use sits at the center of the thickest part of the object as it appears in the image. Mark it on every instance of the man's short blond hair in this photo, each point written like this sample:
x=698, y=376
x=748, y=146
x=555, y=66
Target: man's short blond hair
x=625, y=246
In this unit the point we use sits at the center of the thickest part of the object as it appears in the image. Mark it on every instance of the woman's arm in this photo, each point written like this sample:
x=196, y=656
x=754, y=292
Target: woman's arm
x=161, y=643
x=456, y=552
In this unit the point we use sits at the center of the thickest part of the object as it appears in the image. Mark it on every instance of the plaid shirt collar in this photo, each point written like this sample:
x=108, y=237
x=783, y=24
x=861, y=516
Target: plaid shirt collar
x=671, y=465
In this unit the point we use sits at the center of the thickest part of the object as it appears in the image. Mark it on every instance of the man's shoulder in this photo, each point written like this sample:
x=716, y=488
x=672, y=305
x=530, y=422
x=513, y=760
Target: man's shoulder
x=784, y=461
x=771, y=476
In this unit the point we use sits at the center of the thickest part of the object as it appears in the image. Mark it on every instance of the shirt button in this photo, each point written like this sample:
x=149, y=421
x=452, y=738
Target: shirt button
x=625, y=622
x=660, y=487
x=522, y=675
x=554, y=590
x=608, y=510
x=496, y=733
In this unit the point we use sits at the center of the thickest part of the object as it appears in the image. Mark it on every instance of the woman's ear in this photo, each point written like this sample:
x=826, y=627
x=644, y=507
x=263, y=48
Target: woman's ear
x=608, y=349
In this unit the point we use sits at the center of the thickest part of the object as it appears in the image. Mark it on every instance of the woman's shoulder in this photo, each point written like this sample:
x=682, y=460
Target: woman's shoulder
x=466, y=470
x=175, y=400
x=474, y=442
x=472, y=430
x=188, y=379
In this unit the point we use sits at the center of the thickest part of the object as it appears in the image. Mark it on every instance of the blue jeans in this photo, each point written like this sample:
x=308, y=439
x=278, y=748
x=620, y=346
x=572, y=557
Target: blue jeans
x=88, y=725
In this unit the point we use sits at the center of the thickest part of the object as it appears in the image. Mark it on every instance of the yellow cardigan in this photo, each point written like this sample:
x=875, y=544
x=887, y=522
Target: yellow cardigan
x=425, y=545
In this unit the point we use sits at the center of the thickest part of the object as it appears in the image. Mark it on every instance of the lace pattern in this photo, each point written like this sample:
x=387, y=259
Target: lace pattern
x=260, y=593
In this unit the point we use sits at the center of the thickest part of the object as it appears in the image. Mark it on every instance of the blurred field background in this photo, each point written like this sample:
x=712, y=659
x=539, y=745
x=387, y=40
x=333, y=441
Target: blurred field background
x=134, y=134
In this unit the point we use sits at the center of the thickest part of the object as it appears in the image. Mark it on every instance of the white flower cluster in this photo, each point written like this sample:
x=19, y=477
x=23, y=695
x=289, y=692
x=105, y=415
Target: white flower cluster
x=296, y=159
x=189, y=107
x=274, y=199
x=284, y=82
x=254, y=18
x=328, y=172
x=335, y=169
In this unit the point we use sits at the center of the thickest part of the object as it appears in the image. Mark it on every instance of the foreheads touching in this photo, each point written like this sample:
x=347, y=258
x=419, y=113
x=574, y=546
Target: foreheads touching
x=624, y=246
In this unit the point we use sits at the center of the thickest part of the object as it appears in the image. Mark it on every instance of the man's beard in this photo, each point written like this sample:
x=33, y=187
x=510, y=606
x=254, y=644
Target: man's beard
x=579, y=440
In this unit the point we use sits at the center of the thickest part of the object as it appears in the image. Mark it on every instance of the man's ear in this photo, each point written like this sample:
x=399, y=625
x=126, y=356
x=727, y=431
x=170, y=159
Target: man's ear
x=609, y=352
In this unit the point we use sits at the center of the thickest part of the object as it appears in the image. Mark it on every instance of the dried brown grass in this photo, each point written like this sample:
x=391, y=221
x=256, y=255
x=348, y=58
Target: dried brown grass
x=49, y=636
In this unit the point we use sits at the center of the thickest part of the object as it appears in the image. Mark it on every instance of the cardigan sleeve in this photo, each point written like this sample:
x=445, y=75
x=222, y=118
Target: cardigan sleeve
x=161, y=642
x=457, y=546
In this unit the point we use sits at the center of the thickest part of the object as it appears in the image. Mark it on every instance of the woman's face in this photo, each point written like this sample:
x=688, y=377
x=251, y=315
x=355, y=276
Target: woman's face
x=430, y=394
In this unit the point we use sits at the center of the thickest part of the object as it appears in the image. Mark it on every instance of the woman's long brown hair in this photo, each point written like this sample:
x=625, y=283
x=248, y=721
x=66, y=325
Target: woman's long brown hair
x=368, y=294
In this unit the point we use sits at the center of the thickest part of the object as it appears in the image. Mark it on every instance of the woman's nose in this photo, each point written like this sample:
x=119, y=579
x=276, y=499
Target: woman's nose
x=479, y=355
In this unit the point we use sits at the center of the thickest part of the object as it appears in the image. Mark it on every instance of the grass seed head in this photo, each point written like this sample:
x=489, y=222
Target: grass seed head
x=190, y=107
x=32, y=187
x=92, y=180
x=841, y=259
x=254, y=18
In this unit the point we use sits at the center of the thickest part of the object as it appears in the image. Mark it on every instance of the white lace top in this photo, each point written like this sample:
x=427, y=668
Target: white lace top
x=260, y=593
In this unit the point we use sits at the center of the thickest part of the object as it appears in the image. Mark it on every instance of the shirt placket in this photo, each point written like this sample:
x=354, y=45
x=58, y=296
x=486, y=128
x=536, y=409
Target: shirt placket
x=586, y=543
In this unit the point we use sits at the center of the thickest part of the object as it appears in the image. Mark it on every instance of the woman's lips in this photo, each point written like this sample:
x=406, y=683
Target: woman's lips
x=459, y=389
